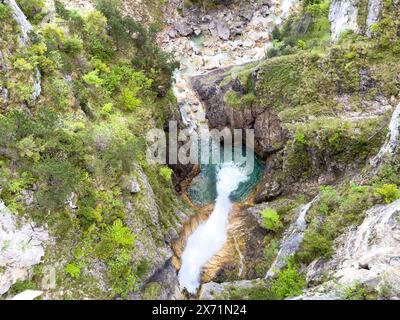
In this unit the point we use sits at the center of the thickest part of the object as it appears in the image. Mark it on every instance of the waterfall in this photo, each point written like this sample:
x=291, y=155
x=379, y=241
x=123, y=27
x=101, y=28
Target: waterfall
x=291, y=240
x=374, y=10
x=25, y=27
x=392, y=141
x=210, y=236
x=4, y=69
x=343, y=16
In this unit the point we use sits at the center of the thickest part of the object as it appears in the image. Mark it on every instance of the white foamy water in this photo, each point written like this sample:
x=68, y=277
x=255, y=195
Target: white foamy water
x=211, y=235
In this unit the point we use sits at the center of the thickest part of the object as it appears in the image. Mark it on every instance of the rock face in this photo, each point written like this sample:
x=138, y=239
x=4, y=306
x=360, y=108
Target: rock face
x=369, y=255
x=238, y=260
x=223, y=30
x=268, y=132
x=183, y=29
x=153, y=245
x=374, y=10
x=21, y=247
x=212, y=290
x=343, y=16
x=392, y=141
x=291, y=240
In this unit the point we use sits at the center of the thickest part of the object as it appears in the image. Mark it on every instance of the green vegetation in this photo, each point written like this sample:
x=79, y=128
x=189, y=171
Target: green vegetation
x=288, y=283
x=103, y=88
x=345, y=205
x=355, y=292
x=307, y=30
x=271, y=220
x=389, y=192
x=33, y=9
x=328, y=140
x=21, y=286
x=73, y=270
x=236, y=100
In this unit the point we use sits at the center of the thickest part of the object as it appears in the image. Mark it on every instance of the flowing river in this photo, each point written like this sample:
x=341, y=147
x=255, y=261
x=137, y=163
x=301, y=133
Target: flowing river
x=228, y=181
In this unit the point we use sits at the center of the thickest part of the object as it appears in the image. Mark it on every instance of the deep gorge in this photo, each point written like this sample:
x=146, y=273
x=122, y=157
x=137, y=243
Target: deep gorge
x=85, y=215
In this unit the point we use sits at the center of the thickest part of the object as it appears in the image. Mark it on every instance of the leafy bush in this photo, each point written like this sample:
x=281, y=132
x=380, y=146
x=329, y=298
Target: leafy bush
x=121, y=235
x=73, y=46
x=166, y=173
x=237, y=100
x=106, y=109
x=389, y=193
x=315, y=245
x=93, y=78
x=157, y=64
x=308, y=29
x=329, y=199
x=20, y=286
x=73, y=270
x=355, y=292
x=271, y=220
x=57, y=180
x=5, y=12
x=32, y=8
x=289, y=283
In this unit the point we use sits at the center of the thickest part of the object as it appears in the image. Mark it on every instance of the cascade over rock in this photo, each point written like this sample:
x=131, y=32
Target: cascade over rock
x=26, y=27
x=392, y=141
x=291, y=240
x=343, y=16
x=374, y=10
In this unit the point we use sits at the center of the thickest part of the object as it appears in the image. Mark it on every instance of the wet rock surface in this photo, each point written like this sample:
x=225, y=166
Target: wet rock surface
x=343, y=16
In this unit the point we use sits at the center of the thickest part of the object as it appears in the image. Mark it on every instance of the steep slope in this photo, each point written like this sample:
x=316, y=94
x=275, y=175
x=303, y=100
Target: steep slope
x=324, y=111
x=72, y=162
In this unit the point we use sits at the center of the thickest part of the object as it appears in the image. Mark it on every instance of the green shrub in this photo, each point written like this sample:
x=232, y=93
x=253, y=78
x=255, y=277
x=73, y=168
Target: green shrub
x=5, y=12
x=22, y=65
x=32, y=8
x=106, y=109
x=93, y=78
x=271, y=220
x=73, y=270
x=355, y=292
x=289, y=283
x=389, y=193
x=20, y=286
x=73, y=46
x=315, y=245
x=166, y=173
x=329, y=199
x=271, y=250
x=121, y=235
x=57, y=180
x=152, y=291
